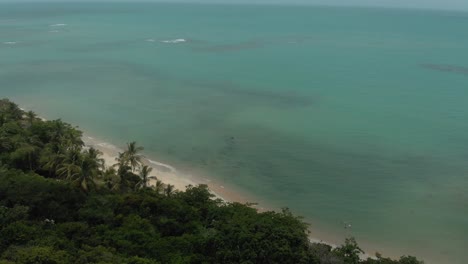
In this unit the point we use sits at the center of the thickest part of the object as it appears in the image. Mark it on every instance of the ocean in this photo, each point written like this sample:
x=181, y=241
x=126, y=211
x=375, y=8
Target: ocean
x=348, y=116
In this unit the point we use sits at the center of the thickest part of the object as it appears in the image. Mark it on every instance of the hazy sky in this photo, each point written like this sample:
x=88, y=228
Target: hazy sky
x=433, y=4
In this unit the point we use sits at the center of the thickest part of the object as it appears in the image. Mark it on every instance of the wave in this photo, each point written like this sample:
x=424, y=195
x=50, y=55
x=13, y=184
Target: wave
x=174, y=41
x=54, y=31
x=159, y=164
x=58, y=25
x=109, y=146
x=10, y=42
x=150, y=40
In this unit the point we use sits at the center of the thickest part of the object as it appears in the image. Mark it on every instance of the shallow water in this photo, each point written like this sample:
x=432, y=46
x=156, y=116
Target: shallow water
x=342, y=114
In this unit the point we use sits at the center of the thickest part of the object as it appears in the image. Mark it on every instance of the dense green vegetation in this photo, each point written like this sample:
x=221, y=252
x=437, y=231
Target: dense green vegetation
x=59, y=203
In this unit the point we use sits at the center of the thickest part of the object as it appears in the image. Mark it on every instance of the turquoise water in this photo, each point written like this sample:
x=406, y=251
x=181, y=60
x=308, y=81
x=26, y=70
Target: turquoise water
x=341, y=114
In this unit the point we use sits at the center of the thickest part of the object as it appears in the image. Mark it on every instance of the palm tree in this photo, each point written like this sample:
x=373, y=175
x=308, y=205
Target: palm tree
x=31, y=117
x=121, y=160
x=89, y=169
x=145, y=177
x=169, y=190
x=159, y=186
x=110, y=178
x=58, y=153
x=51, y=158
x=61, y=133
x=74, y=136
x=68, y=167
x=82, y=168
x=132, y=155
x=56, y=131
x=95, y=154
x=126, y=164
x=68, y=170
x=127, y=180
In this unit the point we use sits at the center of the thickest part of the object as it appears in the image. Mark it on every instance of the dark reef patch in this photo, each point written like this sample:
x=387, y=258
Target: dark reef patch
x=245, y=95
x=446, y=68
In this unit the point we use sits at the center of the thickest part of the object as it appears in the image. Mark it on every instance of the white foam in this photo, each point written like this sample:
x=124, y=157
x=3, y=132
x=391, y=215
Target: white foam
x=174, y=41
x=150, y=40
x=58, y=25
x=108, y=145
x=10, y=42
x=169, y=167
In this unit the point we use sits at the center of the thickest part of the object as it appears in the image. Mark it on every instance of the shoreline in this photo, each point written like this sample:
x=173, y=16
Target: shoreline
x=167, y=173
x=181, y=179
x=170, y=175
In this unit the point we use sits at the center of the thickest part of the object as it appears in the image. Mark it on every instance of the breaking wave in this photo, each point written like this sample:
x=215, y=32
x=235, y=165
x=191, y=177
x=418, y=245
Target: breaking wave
x=58, y=25
x=174, y=41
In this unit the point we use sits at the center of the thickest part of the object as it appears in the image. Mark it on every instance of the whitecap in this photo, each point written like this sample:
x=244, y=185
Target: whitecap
x=168, y=167
x=174, y=41
x=10, y=42
x=150, y=40
x=58, y=25
x=54, y=31
x=108, y=145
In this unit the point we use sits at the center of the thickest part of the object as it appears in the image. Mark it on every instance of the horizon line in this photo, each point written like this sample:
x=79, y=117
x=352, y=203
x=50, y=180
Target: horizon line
x=208, y=2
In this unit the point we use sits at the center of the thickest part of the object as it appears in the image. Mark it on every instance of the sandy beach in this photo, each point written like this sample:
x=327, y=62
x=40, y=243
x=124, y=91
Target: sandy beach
x=166, y=173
